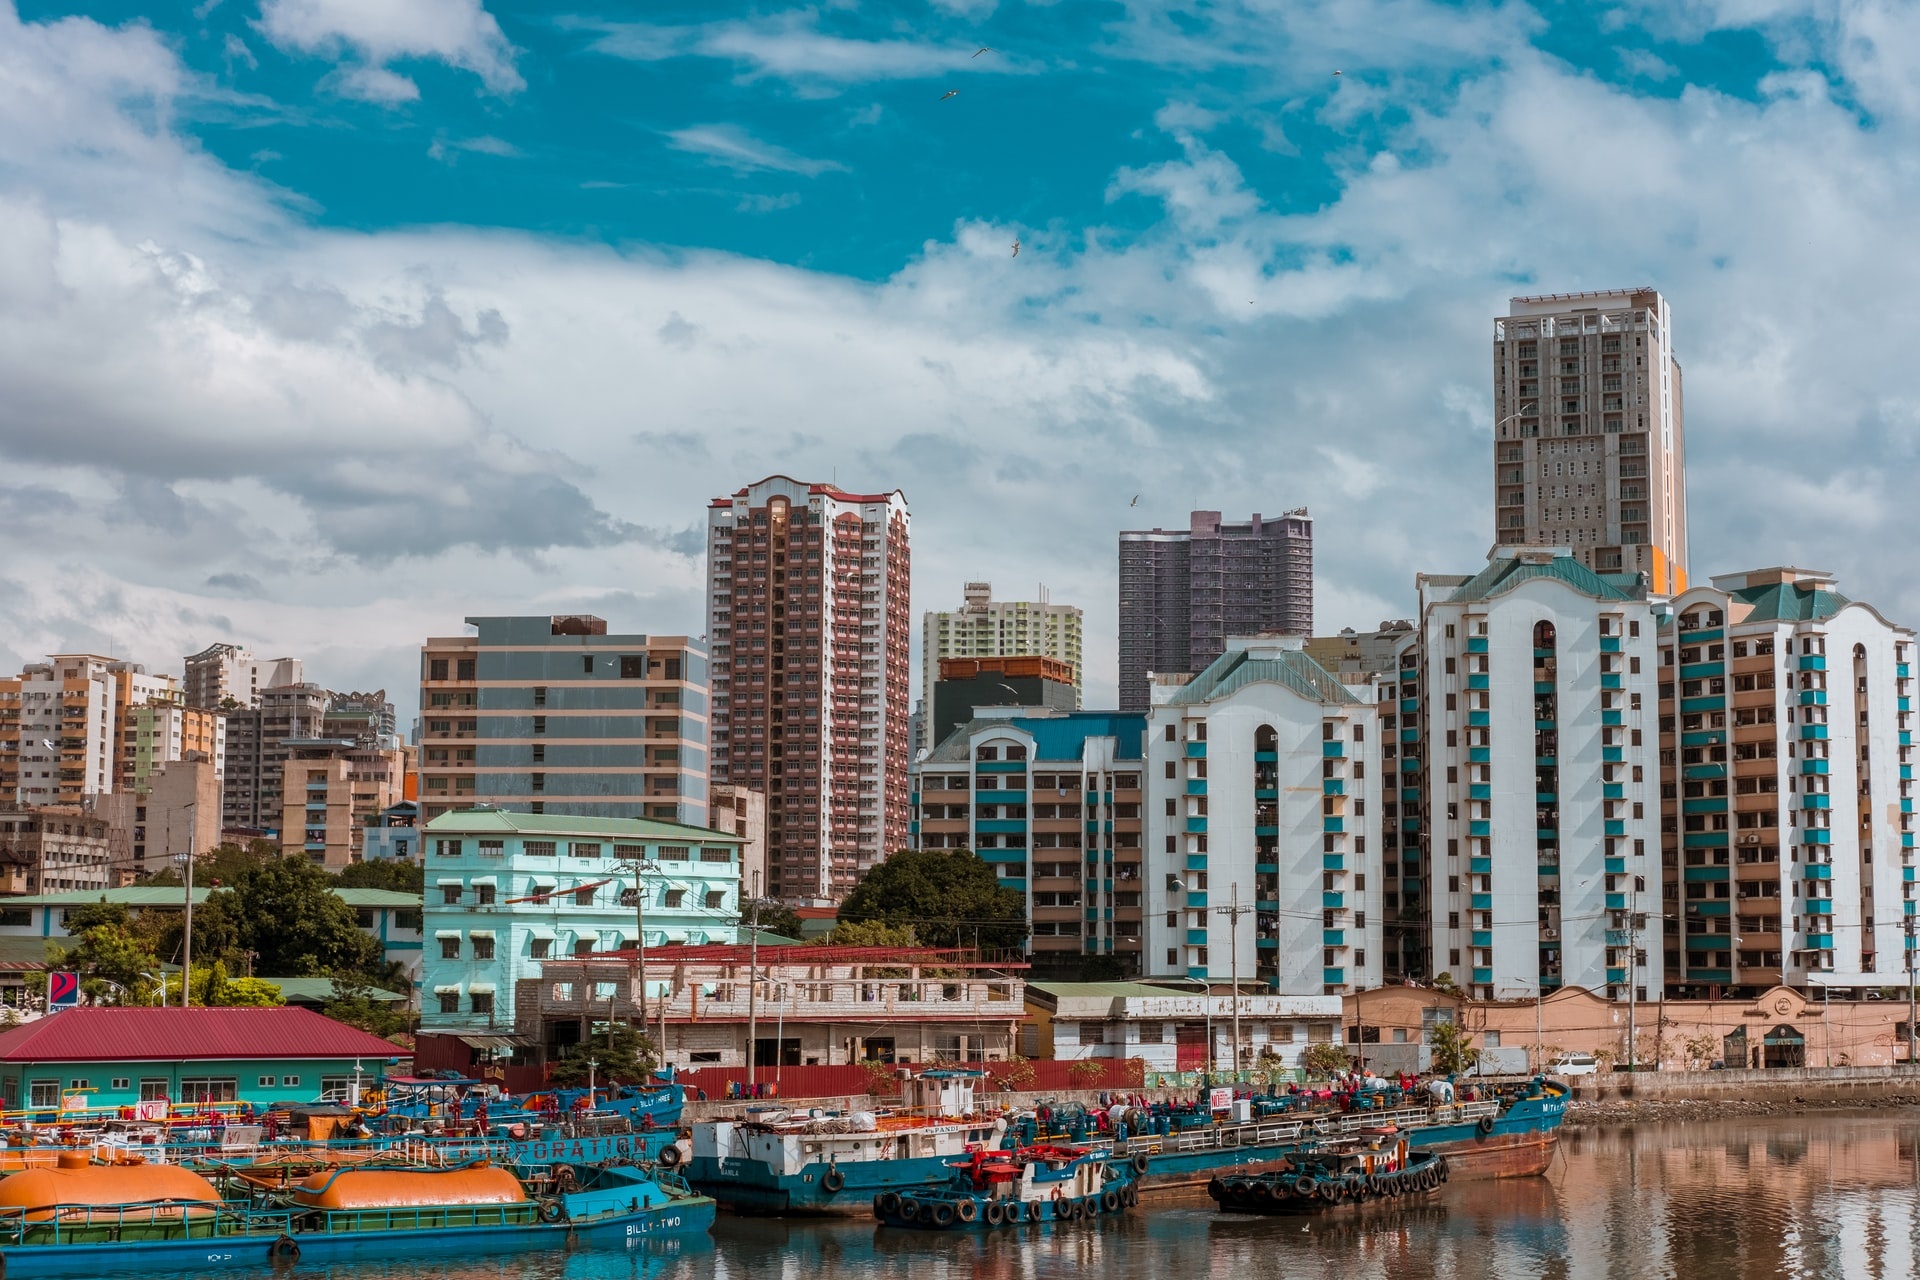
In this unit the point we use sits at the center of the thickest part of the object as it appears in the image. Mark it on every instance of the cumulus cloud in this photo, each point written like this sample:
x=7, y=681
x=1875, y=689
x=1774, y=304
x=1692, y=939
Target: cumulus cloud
x=459, y=33
x=397, y=429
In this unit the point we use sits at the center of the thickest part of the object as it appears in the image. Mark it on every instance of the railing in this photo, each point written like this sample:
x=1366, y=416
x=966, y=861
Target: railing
x=156, y=1220
x=1263, y=1133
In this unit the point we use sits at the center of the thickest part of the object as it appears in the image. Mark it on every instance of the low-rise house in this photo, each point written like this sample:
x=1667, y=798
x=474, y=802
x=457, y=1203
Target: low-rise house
x=1174, y=1030
x=813, y=1005
x=92, y=1058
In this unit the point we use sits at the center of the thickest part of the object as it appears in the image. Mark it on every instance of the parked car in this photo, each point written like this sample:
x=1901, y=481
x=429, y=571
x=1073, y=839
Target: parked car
x=1573, y=1064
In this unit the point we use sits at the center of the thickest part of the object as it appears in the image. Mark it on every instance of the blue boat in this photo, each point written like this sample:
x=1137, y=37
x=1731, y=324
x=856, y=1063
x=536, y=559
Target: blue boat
x=81, y=1220
x=458, y=1099
x=1330, y=1175
x=783, y=1162
x=1026, y=1186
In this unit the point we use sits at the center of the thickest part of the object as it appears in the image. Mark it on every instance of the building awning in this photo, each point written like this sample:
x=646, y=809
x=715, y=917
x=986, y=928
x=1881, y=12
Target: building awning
x=486, y=880
x=444, y=881
x=448, y=989
x=496, y=1043
x=480, y=988
x=541, y=931
x=446, y=933
x=481, y=933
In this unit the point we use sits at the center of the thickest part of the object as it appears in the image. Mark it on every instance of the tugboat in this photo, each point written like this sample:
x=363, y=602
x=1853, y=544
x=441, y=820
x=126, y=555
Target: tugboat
x=81, y=1219
x=1005, y=1188
x=780, y=1162
x=1336, y=1174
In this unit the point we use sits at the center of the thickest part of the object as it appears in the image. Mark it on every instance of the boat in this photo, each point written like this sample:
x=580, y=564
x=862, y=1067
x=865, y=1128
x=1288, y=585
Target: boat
x=81, y=1219
x=1009, y=1188
x=1511, y=1134
x=1332, y=1175
x=815, y=1163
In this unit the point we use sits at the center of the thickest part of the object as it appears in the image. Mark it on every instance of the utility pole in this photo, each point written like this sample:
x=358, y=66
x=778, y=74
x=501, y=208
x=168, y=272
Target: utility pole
x=186, y=954
x=1233, y=914
x=753, y=989
x=1910, y=993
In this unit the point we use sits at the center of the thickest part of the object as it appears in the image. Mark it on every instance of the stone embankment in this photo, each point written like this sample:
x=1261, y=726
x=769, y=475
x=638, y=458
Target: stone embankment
x=1648, y=1097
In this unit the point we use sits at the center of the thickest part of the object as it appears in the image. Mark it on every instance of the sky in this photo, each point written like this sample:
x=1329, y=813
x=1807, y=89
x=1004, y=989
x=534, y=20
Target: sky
x=325, y=324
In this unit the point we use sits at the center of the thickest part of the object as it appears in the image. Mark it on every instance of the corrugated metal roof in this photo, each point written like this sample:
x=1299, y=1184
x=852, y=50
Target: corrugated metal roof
x=484, y=821
x=176, y=896
x=320, y=990
x=180, y=1035
x=377, y=898
x=1108, y=990
x=1236, y=669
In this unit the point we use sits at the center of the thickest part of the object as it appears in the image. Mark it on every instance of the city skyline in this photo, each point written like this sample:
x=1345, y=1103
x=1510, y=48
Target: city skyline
x=1239, y=277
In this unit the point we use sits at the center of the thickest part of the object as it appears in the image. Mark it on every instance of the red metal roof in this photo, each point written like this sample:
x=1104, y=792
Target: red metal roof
x=91, y=1034
x=806, y=954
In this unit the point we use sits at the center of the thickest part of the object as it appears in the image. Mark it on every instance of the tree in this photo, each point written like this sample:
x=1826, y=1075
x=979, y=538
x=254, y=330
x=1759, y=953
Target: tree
x=1452, y=1050
x=213, y=989
x=1701, y=1050
x=772, y=917
x=224, y=864
x=394, y=876
x=618, y=1054
x=354, y=1004
x=113, y=953
x=1327, y=1058
x=867, y=933
x=950, y=898
x=92, y=915
x=295, y=925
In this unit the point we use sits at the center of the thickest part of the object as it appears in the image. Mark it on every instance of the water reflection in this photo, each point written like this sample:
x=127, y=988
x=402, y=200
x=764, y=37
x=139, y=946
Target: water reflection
x=1800, y=1198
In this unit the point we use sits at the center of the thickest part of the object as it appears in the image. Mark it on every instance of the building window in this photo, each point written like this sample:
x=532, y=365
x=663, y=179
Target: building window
x=449, y=948
x=449, y=1002
x=153, y=1089
x=122, y=1083
x=210, y=1089
x=541, y=948
x=716, y=899
x=43, y=1093
x=674, y=898
x=266, y=1082
x=539, y=724
x=581, y=849
x=493, y=848
x=447, y=848
x=483, y=948
x=539, y=848
x=483, y=894
x=583, y=897
x=633, y=666
x=482, y=1001
x=436, y=668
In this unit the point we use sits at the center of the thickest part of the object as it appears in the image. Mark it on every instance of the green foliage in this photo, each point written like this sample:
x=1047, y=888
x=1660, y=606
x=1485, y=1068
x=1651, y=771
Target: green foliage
x=949, y=897
x=1445, y=982
x=296, y=927
x=112, y=953
x=354, y=1005
x=622, y=1055
x=867, y=933
x=396, y=877
x=92, y=915
x=1701, y=1050
x=1452, y=1049
x=224, y=864
x=213, y=989
x=1102, y=969
x=772, y=917
x=1326, y=1058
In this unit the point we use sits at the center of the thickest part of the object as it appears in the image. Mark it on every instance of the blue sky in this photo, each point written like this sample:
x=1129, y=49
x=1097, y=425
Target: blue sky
x=325, y=323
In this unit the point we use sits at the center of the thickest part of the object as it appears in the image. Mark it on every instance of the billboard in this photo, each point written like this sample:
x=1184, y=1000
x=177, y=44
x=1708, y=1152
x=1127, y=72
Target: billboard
x=63, y=990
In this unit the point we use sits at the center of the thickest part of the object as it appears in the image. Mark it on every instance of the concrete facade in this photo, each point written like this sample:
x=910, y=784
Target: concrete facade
x=58, y=847
x=554, y=715
x=1177, y=1031
x=983, y=627
x=229, y=676
x=253, y=791
x=968, y=686
x=1539, y=752
x=808, y=597
x=1589, y=440
x=1264, y=775
x=1183, y=592
x=335, y=790
x=1787, y=713
x=1053, y=802
x=58, y=739
x=742, y=811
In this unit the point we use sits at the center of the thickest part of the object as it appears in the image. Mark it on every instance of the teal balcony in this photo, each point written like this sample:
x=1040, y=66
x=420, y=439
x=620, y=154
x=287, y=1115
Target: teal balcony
x=1331, y=900
x=1613, y=755
x=1409, y=706
x=1333, y=862
x=1197, y=899
x=1196, y=786
x=1822, y=766
x=1409, y=764
x=1820, y=941
x=1481, y=901
x=1702, y=704
x=1266, y=757
x=1708, y=804
x=1483, y=977
x=1480, y=866
x=1480, y=829
x=1333, y=786
x=1710, y=941
x=1813, y=732
x=1196, y=751
x=1616, y=902
x=1609, y=644
x=1333, y=825
x=1542, y=688
x=1816, y=835
x=1410, y=795
x=1333, y=977
x=1479, y=719
x=1000, y=827
x=1706, y=875
x=1702, y=670
x=1819, y=906
x=1266, y=793
x=1196, y=937
x=1480, y=755
x=1333, y=748
x=1616, y=976
x=1476, y=644
x=1483, y=937
x=1816, y=801
x=1818, y=871
x=1266, y=831
x=1612, y=680
x=1333, y=937
x=1613, y=790
x=1813, y=662
x=1480, y=791
x=1546, y=797
x=1704, y=840
x=1616, y=866
x=1703, y=772
x=1196, y=826
x=1813, y=697
x=1479, y=681
x=1615, y=827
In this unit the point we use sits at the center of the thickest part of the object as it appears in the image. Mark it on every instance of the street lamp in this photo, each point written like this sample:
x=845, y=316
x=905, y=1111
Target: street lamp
x=186, y=957
x=636, y=866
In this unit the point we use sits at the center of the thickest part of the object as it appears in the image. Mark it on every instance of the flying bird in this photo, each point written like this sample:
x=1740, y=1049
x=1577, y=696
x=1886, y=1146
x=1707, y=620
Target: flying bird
x=951, y=93
x=984, y=49
x=1016, y=248
x=1135, y=502
x=1336, y=73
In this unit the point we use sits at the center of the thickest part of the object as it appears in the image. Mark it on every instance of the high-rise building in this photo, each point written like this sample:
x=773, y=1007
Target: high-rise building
x=1052, y=801
x=1183, y=592
x=1787, y=723
x=807, y=613
x=252, y=794
x=1538, y=748
x=335, y=790
x=1263, y=781
x=59, y=735
x=967, y=684
x=226, y=673
x=1589, y=442
x=553, y=715
x=987, y=628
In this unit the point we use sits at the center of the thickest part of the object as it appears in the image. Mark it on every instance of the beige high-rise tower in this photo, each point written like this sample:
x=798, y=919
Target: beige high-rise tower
x=1589, y=447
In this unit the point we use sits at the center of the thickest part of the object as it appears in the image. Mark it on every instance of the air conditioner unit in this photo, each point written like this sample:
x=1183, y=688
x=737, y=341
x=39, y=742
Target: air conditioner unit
x=1754, y=839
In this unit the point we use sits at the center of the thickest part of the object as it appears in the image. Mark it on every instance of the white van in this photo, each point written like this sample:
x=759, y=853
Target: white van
x=1573, y=1064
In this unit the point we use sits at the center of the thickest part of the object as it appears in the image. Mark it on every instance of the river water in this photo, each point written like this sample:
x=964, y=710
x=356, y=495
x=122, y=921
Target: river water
x=1807, y=1196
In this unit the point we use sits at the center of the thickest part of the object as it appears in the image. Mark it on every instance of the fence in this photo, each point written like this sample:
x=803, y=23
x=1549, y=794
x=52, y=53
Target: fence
x=839, y=1082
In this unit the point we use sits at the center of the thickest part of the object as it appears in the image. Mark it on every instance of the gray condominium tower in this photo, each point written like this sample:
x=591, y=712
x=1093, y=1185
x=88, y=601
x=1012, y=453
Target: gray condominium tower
x=1184, y=591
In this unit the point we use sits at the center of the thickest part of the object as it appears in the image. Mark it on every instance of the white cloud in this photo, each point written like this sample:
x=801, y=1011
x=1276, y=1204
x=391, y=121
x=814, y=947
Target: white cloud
x=373, y=84
x=460, y=33
x=736, y=149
